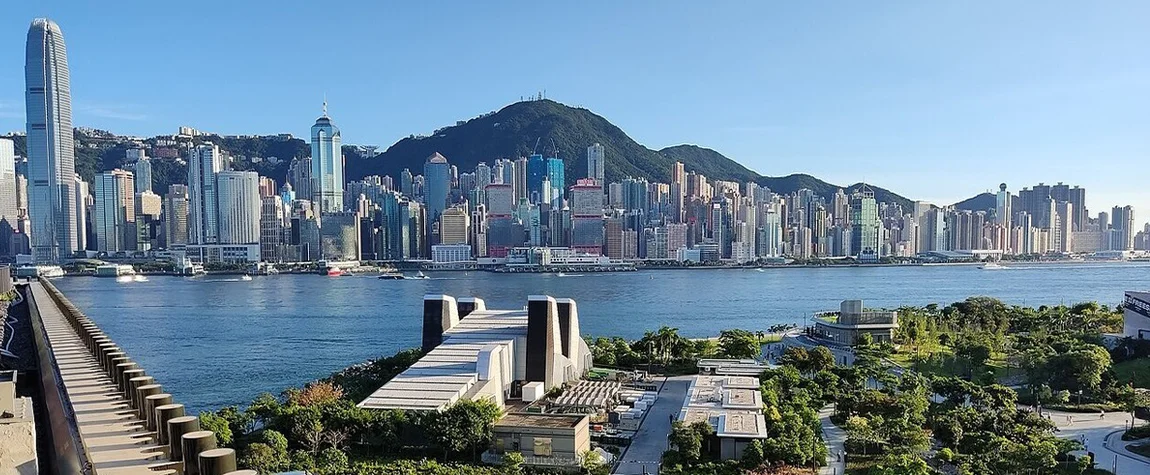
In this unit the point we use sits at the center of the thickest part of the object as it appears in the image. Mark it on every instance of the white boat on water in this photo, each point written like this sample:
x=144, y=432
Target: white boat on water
x=39, y=271
x=419, y=275
x=245, y=277
x=992, y=266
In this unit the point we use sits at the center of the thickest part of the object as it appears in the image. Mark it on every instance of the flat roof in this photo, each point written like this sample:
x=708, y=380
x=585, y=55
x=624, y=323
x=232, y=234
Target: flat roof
x=727, y=403
x=554, y=421
x=447, y=372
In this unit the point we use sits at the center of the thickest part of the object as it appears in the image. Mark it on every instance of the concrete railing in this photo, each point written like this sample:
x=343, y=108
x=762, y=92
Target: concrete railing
x=189, y=449
x=70, y=456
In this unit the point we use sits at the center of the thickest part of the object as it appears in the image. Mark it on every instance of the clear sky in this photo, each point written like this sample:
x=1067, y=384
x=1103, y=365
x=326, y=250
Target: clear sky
x=936, y=100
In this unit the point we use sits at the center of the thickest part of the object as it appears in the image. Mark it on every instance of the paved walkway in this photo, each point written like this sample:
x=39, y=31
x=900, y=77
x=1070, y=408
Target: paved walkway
x=114, y=437
x=1103, y=436
x=647, y=447
x=835, y=438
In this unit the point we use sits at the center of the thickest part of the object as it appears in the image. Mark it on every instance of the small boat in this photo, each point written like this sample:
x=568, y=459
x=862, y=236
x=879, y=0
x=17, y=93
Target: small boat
x=419, y=275
x=992, y=266
x=139, y=278
x=245, y=277
x=334, y=271
x=560, y=274
x=392, y=276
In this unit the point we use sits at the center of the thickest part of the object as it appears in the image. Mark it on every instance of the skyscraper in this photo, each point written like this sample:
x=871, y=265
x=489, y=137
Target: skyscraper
x=239, y=207
x=536, y=172
x=8, y=194
x=115, y=209
x=51, y=156
x=1122, y=228
x=866, y=230
x=596, y=162
x=437, y=173
x=556, y=178
x=204, y=162
x=143, y=173
x=175, y=212
x=326, y=165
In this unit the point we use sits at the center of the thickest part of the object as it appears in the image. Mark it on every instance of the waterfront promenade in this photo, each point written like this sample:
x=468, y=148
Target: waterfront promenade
x=112, y=436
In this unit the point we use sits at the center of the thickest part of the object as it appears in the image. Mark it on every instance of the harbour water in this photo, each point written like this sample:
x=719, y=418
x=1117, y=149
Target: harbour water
x=215, y=340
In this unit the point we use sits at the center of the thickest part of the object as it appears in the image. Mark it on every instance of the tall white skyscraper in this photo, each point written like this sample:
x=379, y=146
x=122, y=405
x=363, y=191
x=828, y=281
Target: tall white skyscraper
x=239, y=207
x=326, y=165
x=51, y=156
x=595, y=162
x=204, y=162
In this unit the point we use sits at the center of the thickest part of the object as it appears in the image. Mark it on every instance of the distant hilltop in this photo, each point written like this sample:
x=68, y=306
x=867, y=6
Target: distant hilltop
x=519, y=129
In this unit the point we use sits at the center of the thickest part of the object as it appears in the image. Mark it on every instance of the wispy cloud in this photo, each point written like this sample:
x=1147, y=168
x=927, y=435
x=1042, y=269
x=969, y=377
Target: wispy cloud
x=112, y=111
x=10, y=110
x=757, y=128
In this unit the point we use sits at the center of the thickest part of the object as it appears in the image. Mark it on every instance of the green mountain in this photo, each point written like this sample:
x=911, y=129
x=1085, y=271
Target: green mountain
x=548, y=127
x=542, y=126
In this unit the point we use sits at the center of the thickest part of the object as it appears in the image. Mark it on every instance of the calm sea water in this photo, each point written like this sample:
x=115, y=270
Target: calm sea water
x=214, y=341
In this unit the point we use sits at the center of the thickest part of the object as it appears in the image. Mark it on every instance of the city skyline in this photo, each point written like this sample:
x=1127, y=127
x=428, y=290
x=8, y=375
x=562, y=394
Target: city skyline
x=1027, y=109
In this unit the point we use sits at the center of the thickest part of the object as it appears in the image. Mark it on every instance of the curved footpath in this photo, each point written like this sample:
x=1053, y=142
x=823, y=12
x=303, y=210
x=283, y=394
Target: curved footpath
x=1103, y=436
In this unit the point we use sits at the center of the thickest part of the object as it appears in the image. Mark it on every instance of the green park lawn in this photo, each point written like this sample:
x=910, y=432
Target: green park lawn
x=1137, y=370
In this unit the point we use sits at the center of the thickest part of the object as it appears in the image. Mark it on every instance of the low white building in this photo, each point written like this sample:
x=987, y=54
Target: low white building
x=450, y=253
x=732, y=405
x=473, y=352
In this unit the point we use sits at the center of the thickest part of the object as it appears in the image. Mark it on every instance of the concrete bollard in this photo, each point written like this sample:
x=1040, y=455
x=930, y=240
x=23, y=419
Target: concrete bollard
x=151, y=402
x=118, y=375
x=112, y=370
x=107, y=363
x=127, y=376
x=177, y=427
x=195, y=443
x=103, y=350
x=135, y=383
x=164, y=414
x=217, y=461
x=141, y=398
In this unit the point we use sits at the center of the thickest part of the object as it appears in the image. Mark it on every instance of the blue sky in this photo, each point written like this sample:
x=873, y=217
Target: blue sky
x=935, y=100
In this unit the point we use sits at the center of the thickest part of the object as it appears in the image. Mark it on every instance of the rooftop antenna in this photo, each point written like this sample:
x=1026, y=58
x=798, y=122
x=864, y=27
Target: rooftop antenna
x=325, y=104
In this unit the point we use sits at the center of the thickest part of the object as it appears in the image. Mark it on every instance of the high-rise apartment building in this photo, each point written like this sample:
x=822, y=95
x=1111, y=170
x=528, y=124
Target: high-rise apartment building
x=239, y=207
x=326, y=165
x=52, y=200
x=204, y=162
x=1122, y=228
x=596, y=161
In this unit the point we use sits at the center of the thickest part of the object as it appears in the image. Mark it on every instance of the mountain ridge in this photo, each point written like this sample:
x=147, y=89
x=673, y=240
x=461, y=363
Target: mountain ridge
x=549, y=127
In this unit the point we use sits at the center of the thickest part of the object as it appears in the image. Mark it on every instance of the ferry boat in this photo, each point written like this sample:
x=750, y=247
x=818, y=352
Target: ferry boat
x=39, y=271
x=186, y=267
x=333, y=271
x=114, y=270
